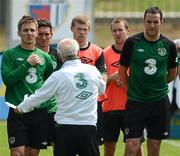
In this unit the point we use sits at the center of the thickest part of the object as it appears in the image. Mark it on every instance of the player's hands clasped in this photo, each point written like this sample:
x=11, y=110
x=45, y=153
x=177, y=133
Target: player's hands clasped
x=115, y=77
x=34, y=59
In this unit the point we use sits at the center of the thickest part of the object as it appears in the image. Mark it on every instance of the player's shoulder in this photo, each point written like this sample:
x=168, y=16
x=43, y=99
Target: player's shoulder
x=136, y=37
x=12, y=51
x=94, y=46
x=165, y=39
x=108, y=48
x=90, y=67
x=52, y=50
x=42, y=53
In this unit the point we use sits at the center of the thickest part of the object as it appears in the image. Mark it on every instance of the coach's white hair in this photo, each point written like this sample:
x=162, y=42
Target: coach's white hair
x=68, y=48
x=177, y=41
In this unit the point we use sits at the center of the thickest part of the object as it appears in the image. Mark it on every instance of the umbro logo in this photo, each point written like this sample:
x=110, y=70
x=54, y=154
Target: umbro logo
x=115, y=64
x=165, y=133
x=44, y=143
x=140, y=50
x=126, y=131
x=20, y=59
x=84, y=95
x=85, y=60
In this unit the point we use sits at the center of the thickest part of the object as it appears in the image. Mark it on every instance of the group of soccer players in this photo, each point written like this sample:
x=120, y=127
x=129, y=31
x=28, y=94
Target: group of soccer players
x=136, y=69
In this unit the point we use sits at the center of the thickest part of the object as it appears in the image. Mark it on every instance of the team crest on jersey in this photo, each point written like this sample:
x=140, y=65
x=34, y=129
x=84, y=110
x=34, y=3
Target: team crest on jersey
x=41, y=61
x=162, y=51
x=54, y=64
x=115, y=64
x=11, y=140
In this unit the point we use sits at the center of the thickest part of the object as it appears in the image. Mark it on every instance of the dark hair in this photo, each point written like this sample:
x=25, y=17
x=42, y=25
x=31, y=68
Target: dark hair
x=26, y=19
x=119, y=20
x=153, y=10
x=43, y=22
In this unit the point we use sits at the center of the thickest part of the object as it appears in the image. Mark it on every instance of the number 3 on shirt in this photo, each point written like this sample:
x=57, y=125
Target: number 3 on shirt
x=151, y=68
x=80, y=81
x=31, y=77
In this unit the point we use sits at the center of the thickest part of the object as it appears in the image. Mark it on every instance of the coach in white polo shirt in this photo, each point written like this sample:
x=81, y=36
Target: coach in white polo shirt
x=76, y=87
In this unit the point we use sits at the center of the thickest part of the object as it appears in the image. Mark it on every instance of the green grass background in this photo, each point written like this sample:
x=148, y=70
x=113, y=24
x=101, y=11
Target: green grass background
x=136, y=5
x=168, y=148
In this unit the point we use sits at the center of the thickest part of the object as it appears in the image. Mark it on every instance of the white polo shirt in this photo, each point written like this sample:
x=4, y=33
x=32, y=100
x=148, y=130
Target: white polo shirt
x=76, y=87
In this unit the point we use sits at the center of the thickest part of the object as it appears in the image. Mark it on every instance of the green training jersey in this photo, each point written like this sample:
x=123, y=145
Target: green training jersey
x=20, y=77
x=149, y=63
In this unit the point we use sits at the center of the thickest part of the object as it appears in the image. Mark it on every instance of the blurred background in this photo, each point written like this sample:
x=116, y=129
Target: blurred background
x=133, y=11
x=101, y=13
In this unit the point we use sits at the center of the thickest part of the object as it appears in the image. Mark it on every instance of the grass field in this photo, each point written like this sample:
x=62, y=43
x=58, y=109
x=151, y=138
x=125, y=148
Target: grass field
x=135, y=5
x=168, y=148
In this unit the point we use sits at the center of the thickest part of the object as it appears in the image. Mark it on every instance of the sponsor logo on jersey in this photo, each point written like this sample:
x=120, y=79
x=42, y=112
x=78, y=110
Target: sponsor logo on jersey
x=151, y=68
x=162, y=51
x=80, y=80
x=32, y=75
x=140, y=50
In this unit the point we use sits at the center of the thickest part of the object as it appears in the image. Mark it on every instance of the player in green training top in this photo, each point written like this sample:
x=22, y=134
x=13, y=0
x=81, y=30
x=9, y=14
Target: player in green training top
x=43, y=41
x=24, y=70
x=152, y=59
